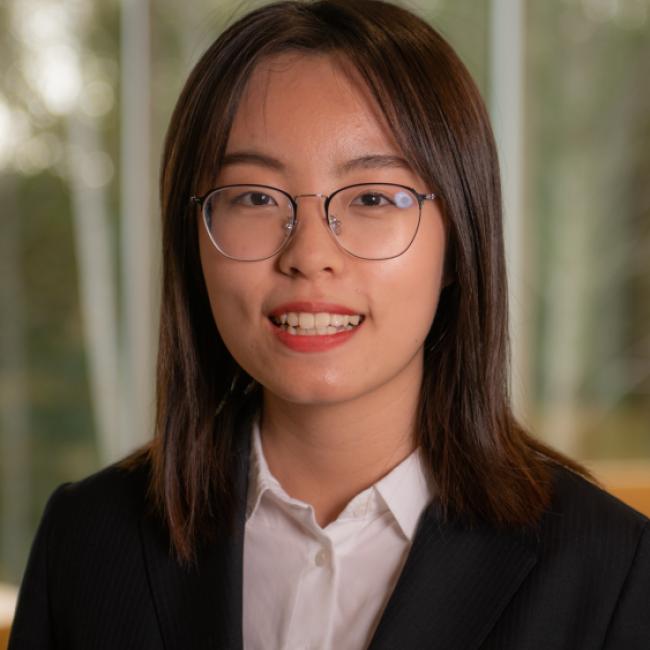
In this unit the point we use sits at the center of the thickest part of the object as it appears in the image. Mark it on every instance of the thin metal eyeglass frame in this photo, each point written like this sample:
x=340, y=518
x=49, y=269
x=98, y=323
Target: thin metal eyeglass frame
x=200, y=200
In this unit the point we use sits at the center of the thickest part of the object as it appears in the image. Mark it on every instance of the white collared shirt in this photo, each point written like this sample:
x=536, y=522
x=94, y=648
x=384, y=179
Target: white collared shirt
x=313, y=588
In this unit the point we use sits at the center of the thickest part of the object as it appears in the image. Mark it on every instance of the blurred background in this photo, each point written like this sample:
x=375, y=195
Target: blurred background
x=87, y=89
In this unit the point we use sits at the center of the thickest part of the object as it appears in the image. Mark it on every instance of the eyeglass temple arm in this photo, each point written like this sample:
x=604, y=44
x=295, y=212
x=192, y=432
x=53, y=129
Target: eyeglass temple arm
x=197, y=200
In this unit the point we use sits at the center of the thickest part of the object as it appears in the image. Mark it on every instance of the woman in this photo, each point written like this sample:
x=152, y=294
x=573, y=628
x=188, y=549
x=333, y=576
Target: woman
x=335, y=463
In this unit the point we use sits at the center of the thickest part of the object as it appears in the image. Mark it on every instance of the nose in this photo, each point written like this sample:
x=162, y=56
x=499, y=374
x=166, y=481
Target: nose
x=312, y=249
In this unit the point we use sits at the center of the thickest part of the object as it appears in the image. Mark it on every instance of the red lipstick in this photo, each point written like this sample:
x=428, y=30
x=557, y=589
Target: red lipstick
x=314, y=342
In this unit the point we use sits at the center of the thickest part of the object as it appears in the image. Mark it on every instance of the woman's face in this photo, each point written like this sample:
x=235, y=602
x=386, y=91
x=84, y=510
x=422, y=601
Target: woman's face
x=301, y=124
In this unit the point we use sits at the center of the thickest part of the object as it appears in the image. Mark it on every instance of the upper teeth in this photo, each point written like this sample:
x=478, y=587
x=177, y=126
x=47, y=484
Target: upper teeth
x=307, y=320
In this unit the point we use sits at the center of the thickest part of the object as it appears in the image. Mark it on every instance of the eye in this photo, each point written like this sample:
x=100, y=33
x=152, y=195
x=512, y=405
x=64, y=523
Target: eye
x=255, y=199
x=371, y=200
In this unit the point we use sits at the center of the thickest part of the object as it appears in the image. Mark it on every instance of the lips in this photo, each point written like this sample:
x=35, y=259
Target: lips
x=314, y=326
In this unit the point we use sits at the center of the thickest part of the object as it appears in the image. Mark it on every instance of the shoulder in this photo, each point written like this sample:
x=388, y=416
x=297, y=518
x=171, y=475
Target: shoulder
x=85, y=568
x=591, y=578
x=107, y=504
x=580, y=507
x=93, y=527
x=590, y=543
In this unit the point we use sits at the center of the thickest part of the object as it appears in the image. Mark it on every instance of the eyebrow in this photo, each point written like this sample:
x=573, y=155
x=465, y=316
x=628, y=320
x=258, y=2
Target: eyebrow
x=374, y=161
x=251, y=158
x=370, y=161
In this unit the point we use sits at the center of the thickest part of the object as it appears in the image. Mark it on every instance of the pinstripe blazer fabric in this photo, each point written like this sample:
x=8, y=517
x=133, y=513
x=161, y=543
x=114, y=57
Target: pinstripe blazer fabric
x=100, y=577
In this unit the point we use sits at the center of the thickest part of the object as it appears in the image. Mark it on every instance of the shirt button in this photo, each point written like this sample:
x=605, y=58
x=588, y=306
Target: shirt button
x=321, y=558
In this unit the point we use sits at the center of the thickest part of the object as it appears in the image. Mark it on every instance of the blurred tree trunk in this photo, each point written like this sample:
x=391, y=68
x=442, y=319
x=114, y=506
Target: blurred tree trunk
x=507, y=113
x=139, y=333
x=96, y=274
x=15, y=443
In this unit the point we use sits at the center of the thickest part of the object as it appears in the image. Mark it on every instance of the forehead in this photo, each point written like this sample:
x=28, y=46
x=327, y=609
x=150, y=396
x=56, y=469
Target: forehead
x=294, y=100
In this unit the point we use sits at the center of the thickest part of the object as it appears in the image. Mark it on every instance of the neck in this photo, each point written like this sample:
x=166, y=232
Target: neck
x=325, y=454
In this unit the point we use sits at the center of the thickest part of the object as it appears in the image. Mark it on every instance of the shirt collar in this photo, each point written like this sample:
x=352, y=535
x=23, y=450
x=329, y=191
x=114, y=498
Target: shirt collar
x=260, y=478
x=406, y=490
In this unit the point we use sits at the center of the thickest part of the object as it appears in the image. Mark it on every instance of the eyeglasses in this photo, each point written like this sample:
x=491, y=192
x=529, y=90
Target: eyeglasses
x=373, y=221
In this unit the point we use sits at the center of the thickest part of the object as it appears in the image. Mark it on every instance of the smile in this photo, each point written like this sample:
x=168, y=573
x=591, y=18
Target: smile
x=316, y=324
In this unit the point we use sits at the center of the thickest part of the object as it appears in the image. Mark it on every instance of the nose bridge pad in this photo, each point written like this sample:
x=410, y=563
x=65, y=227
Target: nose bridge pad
x=334, y=224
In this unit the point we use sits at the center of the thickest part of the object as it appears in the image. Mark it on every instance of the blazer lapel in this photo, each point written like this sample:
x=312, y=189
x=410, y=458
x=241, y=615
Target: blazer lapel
x=200, y=608
x=454, y=586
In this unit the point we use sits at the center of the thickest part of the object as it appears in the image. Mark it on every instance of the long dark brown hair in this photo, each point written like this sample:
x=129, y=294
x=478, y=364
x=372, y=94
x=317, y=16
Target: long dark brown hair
x=484, y=465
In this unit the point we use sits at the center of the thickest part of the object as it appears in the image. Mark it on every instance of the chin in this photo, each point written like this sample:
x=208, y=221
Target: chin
x=314, y=393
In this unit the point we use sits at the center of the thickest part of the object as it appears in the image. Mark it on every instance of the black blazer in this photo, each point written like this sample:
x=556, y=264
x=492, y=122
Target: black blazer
x=100, y=576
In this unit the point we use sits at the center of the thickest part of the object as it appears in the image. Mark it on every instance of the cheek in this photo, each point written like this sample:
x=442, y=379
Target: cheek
x=231, y=294
x=410, y=305
x=412, y=285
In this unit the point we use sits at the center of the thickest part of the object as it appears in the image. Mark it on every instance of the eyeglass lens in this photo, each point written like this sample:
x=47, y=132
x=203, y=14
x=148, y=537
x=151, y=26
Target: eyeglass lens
x=374, y=221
